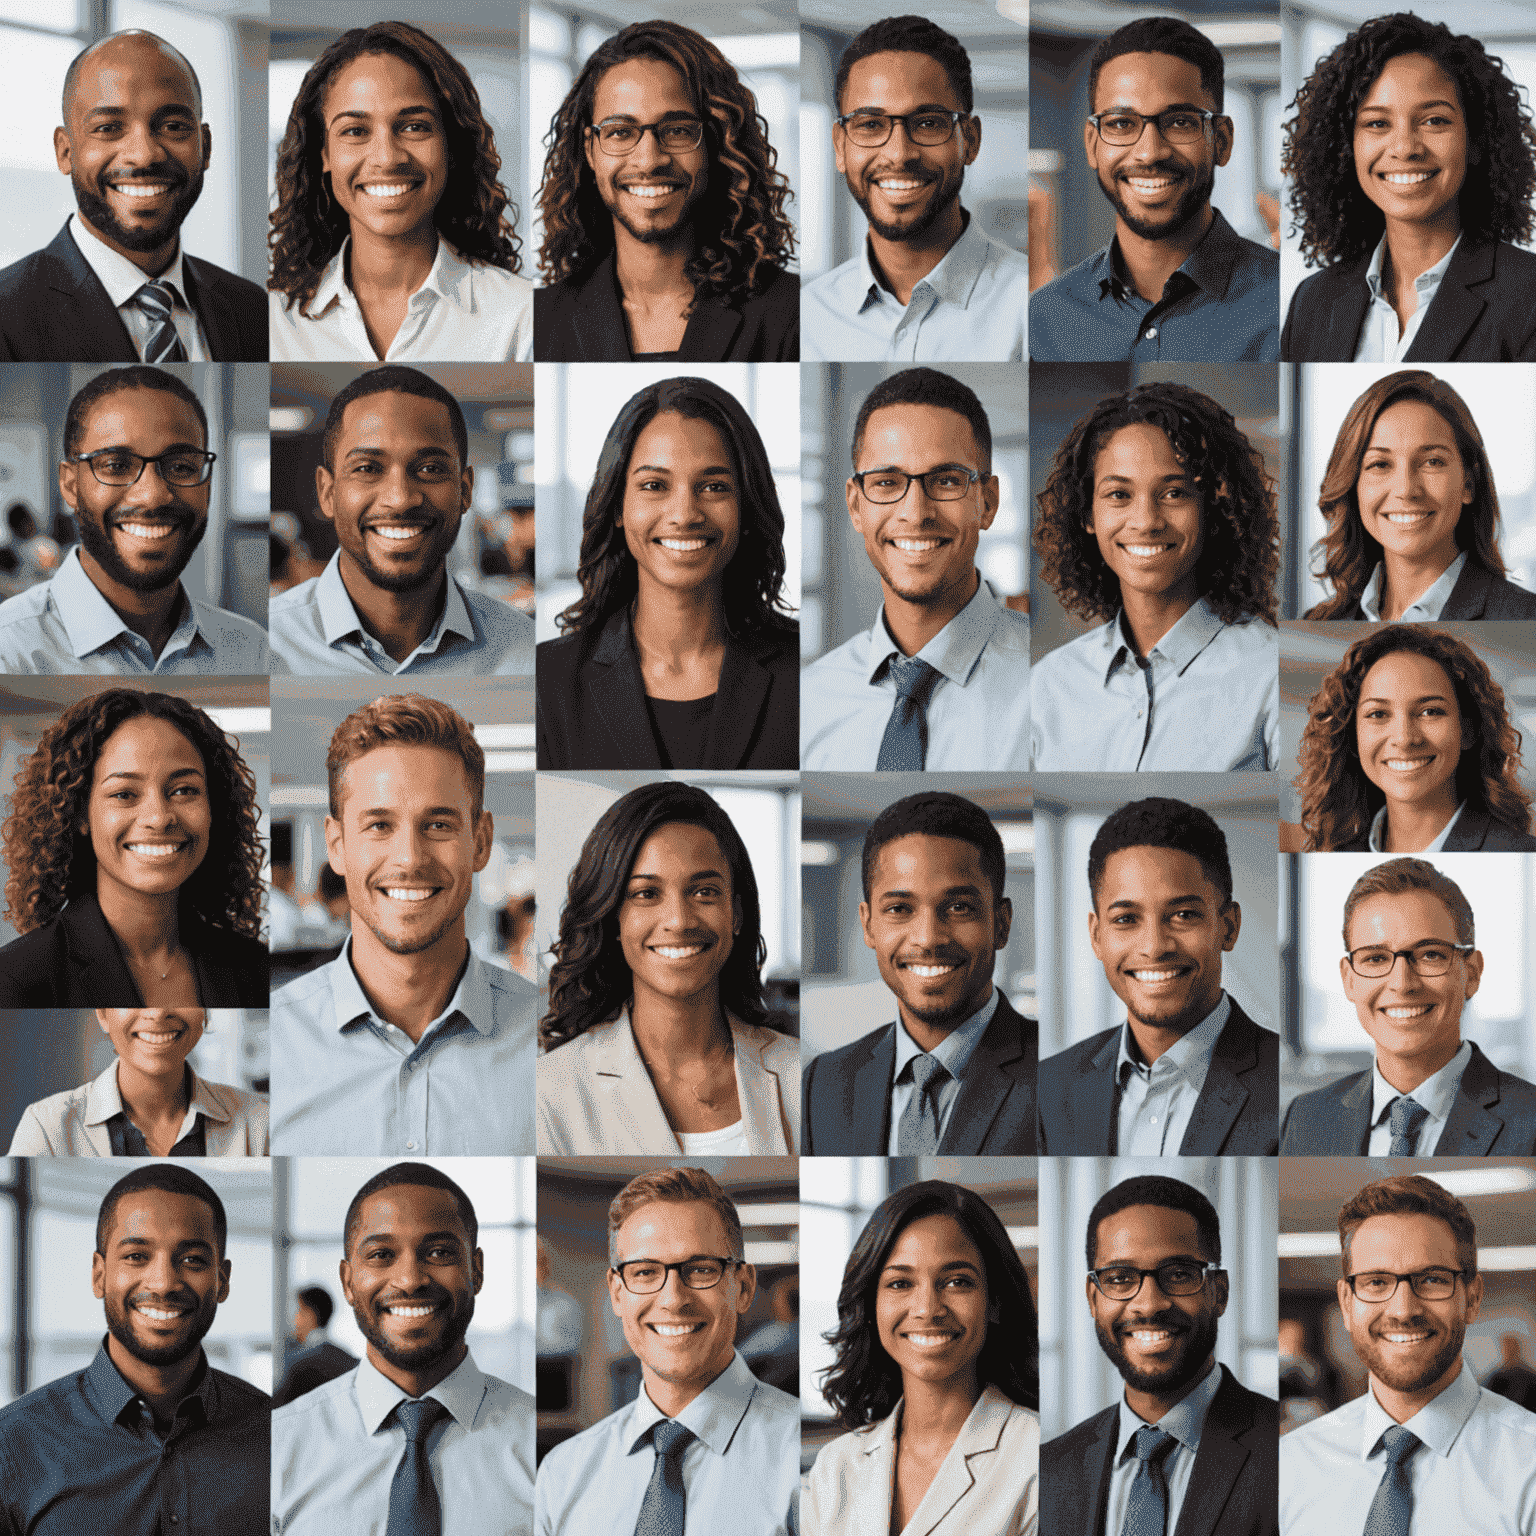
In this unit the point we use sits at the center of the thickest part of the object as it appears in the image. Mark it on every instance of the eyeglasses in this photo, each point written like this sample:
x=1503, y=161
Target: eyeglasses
x=676, y=136
x=1178, y=125
x=116, y=466
x=1178, y=1277
x=869, y=130
x=1431, y=958
x=644, y=1277
x=1428, y=1284
x=887, y=485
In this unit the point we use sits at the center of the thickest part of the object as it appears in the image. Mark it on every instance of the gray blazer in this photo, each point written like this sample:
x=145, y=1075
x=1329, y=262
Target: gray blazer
x=1475, y=832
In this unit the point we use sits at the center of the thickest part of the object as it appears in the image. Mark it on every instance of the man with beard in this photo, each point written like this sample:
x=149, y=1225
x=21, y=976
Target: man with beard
x=115, y=285
x=1188, y=1448
x=928, y=282
x=136, y=476
x=1189, y=1073
x=1177, y=283
x=407, y=1041
x=1424, y=1448
x=417, y=1440
x=148, y=1438
x=395, y=482
x=955, y=1074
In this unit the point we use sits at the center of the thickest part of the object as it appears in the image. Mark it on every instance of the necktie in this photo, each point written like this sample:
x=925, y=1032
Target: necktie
x=157, y=300
x=917, y=1134
x=905, y=743
x=1407, y=1116
x=1147, y=1512
x=413, y=1505
x=1392, y=1508
x=666, y=1500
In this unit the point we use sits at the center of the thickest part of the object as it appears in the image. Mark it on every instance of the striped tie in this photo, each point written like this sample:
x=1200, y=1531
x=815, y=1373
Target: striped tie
x=157, y=300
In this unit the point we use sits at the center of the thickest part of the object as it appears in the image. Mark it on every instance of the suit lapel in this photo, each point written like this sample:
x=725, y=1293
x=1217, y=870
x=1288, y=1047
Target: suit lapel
x=872, y=1093
x=761, y=1095
x=1222, y=1095
x=88, y=317
x=618, y=695
x=1345, y=317
x=598, y=318
x=218, y=320
x=1471, y=1128
x=1074, y=1499
x=711, y=330
x=740, y=698
x=1091, y=1099
x=97, y=969
x=1469, y=597
x=979, y=1436
x=1352, y=1126
x=622, y=1081
x=877, y=1473
x=986, y=1084
x=1218, y=1462
x=1470, y=832
x=1456, y=308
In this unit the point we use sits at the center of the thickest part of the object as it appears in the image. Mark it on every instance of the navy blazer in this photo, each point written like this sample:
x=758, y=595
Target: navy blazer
x=53, y=309
x=1492, y=1113
x=1478, y=594
x=1235, y=1115
x=845, y=1095
x=1234, y=1485
x=1484, y=311
x=1475, y=832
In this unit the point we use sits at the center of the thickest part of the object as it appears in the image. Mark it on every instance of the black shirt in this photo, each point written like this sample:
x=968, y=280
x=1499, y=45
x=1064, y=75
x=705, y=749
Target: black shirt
x=128, y=1140
x=681, y=728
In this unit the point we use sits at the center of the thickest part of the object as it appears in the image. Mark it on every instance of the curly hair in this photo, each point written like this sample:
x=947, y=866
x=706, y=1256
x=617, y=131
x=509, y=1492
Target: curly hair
x=308, y=225
x=1338, y=801
x=46, y=835
x=741, y=235
x=1237, y=567
x=1330, y=210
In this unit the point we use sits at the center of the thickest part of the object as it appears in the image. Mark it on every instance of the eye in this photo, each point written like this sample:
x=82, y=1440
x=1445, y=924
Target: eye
x=643, y=893
x=962, y=1282
x=718, y=487
x=1189, y=915
x=445, y=1253
x=113, y=463
x=1117, y=124
x=652, y=486
x=1374, y=957
x=1373, y=121
x=619, y=133
x=962, y=908
x=931, y=122
x=364, y=467
x=1182, y=120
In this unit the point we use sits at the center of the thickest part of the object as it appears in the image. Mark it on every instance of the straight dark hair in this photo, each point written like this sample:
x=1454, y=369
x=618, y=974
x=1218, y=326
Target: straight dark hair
x=174, y=1179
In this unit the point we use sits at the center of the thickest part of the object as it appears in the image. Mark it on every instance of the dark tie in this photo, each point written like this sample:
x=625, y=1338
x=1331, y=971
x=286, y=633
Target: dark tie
x=666, y=1500
x=904, y=746
x=413, y=1506
x=1147, y=1512
x=1392, y=1508
x=157, y=300
x=917, y=1133
x=1407, y=1116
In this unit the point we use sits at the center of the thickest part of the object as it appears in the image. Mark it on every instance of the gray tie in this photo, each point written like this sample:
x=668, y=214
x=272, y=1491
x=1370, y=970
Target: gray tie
x=158, y=300
x=917, y=1133
x=1407, y=1116
x=413, y=1505
x=1392, y=1508
x=1147, y=1512
x=904, y=747
x=665, y=1509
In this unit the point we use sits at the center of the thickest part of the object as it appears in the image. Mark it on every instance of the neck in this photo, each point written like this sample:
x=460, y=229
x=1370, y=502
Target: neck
x=1413, y=249
x=1150, y=615
x=415, y=1383
x=931, y=1036
x=905, y=263
x=1151, y=263
x=672, y=1031
x=399, y=621
x=1401, y=1406
x=1153, y=1039
x=161, y=1386
x=914, y=624
x=652, y=271
x=152, y=615
x=150, y=263
x=145, y=926
x=1151, y=1406
x=1412, y=828
x=673, y=1396
x=1406, y=1073
x=678, y=626
x=150, y=1100
x=936, y=1411
x=409, y=991
x=1404, y=581
x=395, y=267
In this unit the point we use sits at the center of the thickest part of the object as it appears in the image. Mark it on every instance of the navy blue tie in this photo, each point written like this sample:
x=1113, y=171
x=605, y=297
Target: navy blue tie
x=1147, y=1512
x=158, y=300
x=1407, y=1116
x=917, y=1132
x=414, y=1509
x=666, y=1500
x=904, y=747
x=1392, y=1508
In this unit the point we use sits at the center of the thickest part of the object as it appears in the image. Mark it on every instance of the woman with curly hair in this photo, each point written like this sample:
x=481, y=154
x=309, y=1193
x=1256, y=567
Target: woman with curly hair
x=391, y=239
x=1408, y=748
x=657, y=1039
x=936, y=1376
x=680, y=654
x=134, y=865
x=1412, y=511
x=1158, y=521
x=664, y=229
x=1412, y=162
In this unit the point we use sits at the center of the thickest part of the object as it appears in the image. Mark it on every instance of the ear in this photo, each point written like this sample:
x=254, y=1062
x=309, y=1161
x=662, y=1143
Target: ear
x=971, y=133
x=1231, y=925
x=63, y=151
x=991, y=494
x=207, y=145
x=864, y=915
x=225, y=1269
x=1474, y=972
x=1093, y=935
x=103, y=1024
x=588, y=149
x=485, y=835
x=1474, y=1297
x=736, y=917
x=98, y=1277
x=477, y=1270
x=839, y=143
x=344, y=1272
x=1091, y=149
x=325, y=492
x=855, y=505
x=615, y=1293
x=467, y=485
x=69, y=484
x=333, y=846
x=1002, y=923
x=1221, y=131
x=1223, y=1290
x=746, y=1283
x=1346, y=1296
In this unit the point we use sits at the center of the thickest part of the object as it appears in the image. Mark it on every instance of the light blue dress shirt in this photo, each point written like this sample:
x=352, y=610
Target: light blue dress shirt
x=1379, y=341
x=316, y=633
x=978, y=711
x=1475, y=1474
x=1207, y=697
x=741, y=1472
x=952, y=1053
x=345, y=1083
x=1435, y=1094
x=973, y=306
x=1184, y=1421
x=1376, y=838
x=65, y=626
x=1426, y=607
x=335, y=1451
x=1157, y=1101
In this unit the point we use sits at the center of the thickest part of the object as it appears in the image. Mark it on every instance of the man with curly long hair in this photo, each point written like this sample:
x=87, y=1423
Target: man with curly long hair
x=664, y=230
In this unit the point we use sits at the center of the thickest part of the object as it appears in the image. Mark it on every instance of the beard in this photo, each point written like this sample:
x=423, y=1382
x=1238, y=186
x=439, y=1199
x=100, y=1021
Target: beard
x=98, y=212
x=1199, y=1339
x=428, y=571
x=98, y=544
x=656, y=234
x=1407, y=1378
x=429, y=1352
x=938, y=208
x=121, y=1329
x=1196, y=194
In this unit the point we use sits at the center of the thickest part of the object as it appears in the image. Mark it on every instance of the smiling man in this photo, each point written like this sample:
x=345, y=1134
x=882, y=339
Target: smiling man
x=704, y=1442
x=1189, y=1073
x=407, y=1041
x=396, y=482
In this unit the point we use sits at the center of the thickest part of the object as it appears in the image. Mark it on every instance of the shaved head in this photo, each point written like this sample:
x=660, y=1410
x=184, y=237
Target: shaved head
x=123, y=43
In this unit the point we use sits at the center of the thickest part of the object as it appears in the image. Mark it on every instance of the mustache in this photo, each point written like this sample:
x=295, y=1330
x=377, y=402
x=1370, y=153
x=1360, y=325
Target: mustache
x=170, y=173
x=1170, y=1321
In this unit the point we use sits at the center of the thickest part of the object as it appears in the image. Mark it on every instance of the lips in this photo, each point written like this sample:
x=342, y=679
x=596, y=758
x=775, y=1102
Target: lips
x=1150, y=976
x=1408, y=519
x=689, y=544
x=1150, y=551
x=384, y=191
x=931, y=1339
x=650, y=191
x=1150, y=184
x=930, y=968
x=409, y=895
x=1409, y=764
x=1408, y=1013
x=397, y=533
x=674, y=1330
x=677, y=951
x=157, y=1037
x=157, y=851
x=1405, y=179
x=919, y=546
x=161, y=1312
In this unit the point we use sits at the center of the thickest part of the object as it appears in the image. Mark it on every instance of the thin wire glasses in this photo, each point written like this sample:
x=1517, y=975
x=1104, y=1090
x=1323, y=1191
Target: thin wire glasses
x=179, y=466
x=1178, y=125
x=1428, y=1284
x=1431, y=958
x=883, y=486
x=1178, y=1277
x=644, y=1277
x=870, y=130
x=675, y=136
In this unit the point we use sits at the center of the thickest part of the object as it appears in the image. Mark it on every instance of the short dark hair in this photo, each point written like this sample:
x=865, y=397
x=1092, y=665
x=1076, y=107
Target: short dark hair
x=73, y=71
x=937, y=813
x=927, y=386
x=1169, y=1194
x=419, y=1175
x=1399, y=876
x=1409, y=1194
x=1158, y=822
x=1163, y=34
x=393, y=379
x=114, y=381
x=910, y=34
x=173, y=1179
x=318, y=1300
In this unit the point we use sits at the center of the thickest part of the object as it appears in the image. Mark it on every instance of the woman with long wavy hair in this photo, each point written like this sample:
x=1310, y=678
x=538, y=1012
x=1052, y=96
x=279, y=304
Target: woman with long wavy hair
x=679, y=652
x=657, y=1039
x=936, y=1377
x=133, y=862
x=1408, y=748
x=391, y=238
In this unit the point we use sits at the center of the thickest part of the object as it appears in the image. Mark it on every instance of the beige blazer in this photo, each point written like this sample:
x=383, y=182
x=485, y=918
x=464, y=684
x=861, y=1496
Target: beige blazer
x=74, y=1123
x=596, y=1099
x=988, y=1484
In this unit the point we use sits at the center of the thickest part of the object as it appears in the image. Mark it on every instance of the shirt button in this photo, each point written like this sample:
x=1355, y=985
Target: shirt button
x=410, y=1146
x=1151, y=332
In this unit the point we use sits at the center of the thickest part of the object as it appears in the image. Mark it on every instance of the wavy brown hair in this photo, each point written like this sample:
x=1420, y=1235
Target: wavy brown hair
x=741, y=236
x=1338, y=801
x=1237, y=567
x=46, y=838
x=308, y=226
x=1349, y=553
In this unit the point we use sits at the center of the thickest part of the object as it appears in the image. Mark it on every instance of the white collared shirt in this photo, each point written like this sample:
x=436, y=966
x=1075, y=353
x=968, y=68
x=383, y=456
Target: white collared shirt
x=1157, y=1101
x=1426, y=607
x=1379, y=341
x=122, y=280
x=1435, y=1094
x=1376, y=839
x=1184, y=1421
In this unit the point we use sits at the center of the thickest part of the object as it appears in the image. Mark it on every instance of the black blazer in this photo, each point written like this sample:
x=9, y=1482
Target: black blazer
x=1484, y=311
x=845, y=1097
x=1492, y=1113
x=75, y=962
x=1234, y=1116
x=591, y=703
x=1475, y=832
x=582, y=321
x=1234, y=1485
x=1478, y=594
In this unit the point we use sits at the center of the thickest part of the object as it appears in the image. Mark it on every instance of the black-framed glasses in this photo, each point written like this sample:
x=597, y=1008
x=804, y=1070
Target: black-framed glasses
x=1178, y=125
x=887, y=485
x=1431, y=958
x=1178, y=1277
x=178, y=466
x=644, y=1277
x=1428, y=1284
x=675, y=136
x=869, y=130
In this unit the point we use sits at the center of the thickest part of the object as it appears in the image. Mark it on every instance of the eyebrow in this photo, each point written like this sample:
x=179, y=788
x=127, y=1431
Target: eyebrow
x=1418, y=106
x=947, y=1264
x=129, y=773
x=927, y=106
x=1173, y=901
x=128, y=448
x=431, y=810
x=1173, y=1258
x=666, y=469
x=358, y=112
x=949, y=890
x=629, y=117
x=441, y=448
x=916, y=473
x=186, y=1243
x=698, y=874
x=1171, y=476
x=446, y=1235
x=1423, y=698
x=120, y=111
x=1417, y=448
x=1173, y=106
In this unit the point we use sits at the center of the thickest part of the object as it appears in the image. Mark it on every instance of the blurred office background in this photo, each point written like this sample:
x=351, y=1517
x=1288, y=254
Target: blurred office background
x=39, y=528
x=842, y=590
x=844, y=995
x=1077, y=1379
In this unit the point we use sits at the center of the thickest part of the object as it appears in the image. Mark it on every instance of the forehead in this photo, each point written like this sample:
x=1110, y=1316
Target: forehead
x=1402, y=918
x=673, y=439
x=935, y=1240
x=921, y=861
x=1407, y=674
x=679, y=846
x=1146, y=1235
x=670, y=1230
x=163, y=1216
x=641, y=88
x=1137, y=451
x=1415, y=421
x=124, y=67
x=904, y=434
x=1412, y=77
x=145, y=420
x=408, y=1208
x=377, y=82
x=392, y=420
x=1149, y=875
x=1403, y=1243
x=402, y=776
x=147, y=744
x=898, y=81
x=1148, y=82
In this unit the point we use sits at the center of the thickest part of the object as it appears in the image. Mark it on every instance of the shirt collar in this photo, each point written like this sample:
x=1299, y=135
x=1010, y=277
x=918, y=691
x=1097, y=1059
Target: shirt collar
x=1429, y=603
x=113, y=1394
x=1373, y=841
x=1437, y=1423
x=1195, y=630
x=952, y=281
x=1189, y=1056
x=450, y=277
x=1436, y=1093
x=104, y=1098
x=955, y=1049
x=1209, y=266
x=339, y=620
x=712, y=1416
x=91, y=622
x=1425, y=282
x=118, y=275
x=955, y=650
x=460, y=1392
x=471, y=998
x=1184, y=1421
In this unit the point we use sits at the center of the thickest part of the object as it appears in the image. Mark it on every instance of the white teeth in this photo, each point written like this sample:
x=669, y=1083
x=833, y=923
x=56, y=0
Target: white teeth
x=1154, y=975
x=388, y=189
x=157, y=1039
x=650, y=191
x=400, y=893
x=1407, y=764
x=678, y=952
x=676, y=1330
x=1149, y=187
x=156, y=1313
x=138, y=189
x=1407, y=178
x=409, y=1311
x=900, y=186
x=1408, y=519
x=154, y=850
x=683, y=546
x=929, y=971
x=1406, y=1013
x=1148, y=1336
x=929, y=1340
x=148, y=530
x=398, y=534
x=1146, y=551
x=916, y=546
x=1405, y=1338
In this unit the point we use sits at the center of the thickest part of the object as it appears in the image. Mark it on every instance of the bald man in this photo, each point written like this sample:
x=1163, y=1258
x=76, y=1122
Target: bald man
x=115, y=285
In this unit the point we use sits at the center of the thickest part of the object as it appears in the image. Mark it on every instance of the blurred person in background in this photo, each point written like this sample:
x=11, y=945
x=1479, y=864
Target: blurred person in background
x=1308, y=1384
x=314, y=1359
x=560, y=1321
x=1514, y=1379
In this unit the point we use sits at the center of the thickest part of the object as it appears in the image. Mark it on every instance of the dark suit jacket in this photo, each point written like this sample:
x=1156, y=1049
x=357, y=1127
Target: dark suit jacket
x=1234, y=1485
x=846, y=1099
x=53, y=309
x=591, y=703
x=582, y=321
x=75, y=962
x=1478, y=594
x=1492, y=1113
x=1484, y=311
x=1475, y=832
x=1234, y=1116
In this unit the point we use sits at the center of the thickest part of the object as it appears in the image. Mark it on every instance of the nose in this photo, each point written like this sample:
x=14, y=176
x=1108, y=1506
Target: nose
x=158, y=1276
x=650, y=152
x=149, y=490
x=157, y=809
x=926, y=929
x=397, y=489
x=406, y=1272
x=137, y=147
x=1405, y=142
x=673, y=910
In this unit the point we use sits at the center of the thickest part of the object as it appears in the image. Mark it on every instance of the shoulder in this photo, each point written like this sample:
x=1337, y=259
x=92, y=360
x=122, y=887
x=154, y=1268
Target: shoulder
x=842, y=659
x=42, y=1406
x=837, y=1460
x=230, y=624
x=776, y=649
x=239, y=1391
x=296, y=1420
x=779, y=290
x=1075, y=1058
x=555, y=298
x=28, y=273
x=285, y=603
x=229, y=946
x=565, y=655
x=225, y=284
x=27, y=966
x=1072, y=284
x=26, y=607
x=1011, y=633
x=779, y=1053
x=1068, y=1449
x=507, y=1405
x=571, y=1456
x=1075, y=654
x=846, y=1059
x=302, y=993
x=1507, y=1419
x=1255, y=263
x=1004, y=261
x=505, y=985
x=829, y=283
x=1509, y=262
x=772, y=1403
x=499, y=286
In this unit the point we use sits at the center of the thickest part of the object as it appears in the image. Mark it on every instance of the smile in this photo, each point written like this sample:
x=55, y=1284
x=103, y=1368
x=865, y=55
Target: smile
x=684, y=546
x=930, y=1340
x=156, y=1314
x=1408, y=764
x=398, y=533
x=892, y=184
x=1406, y=178
x=1408, y=1013
x=1146, y=551
x=158, y=1039
x=1408, y=519
x=383, y=189
x=674, y=1330
x=147, y=530
x=156, y=850
x=1159, y=975
x=141, y=189
x=677, y=951
x=917, y=546
x=411, y=1309
x=928, y=972
x=651, y=190
x=1150, y=188
x=410, y=893
x=1406, y=1338
x=1151, y=1335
